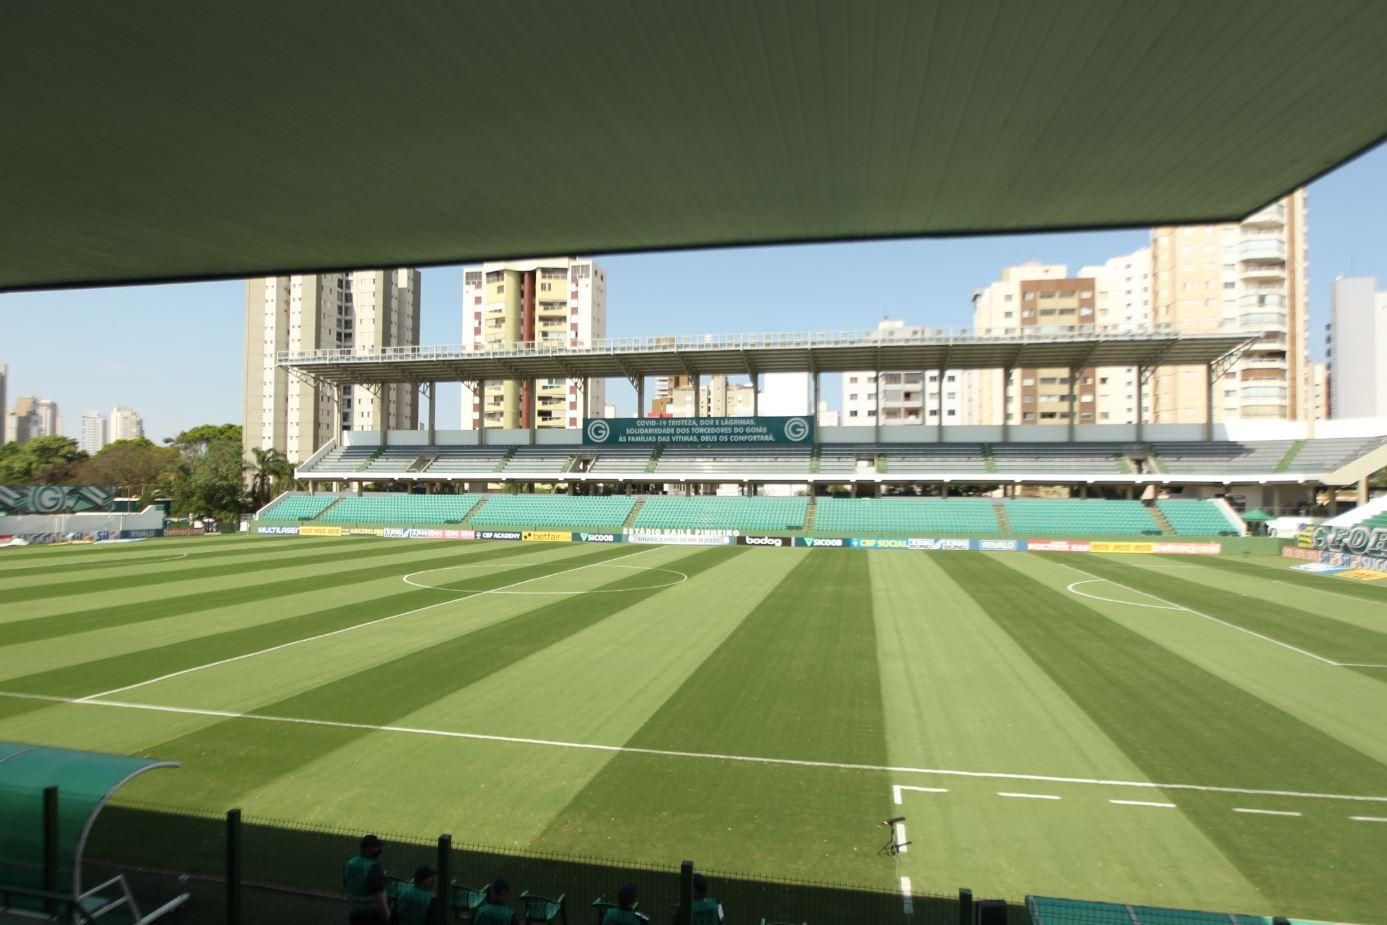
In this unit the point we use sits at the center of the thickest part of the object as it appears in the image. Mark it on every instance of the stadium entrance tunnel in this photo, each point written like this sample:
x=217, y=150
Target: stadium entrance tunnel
x=49, y=800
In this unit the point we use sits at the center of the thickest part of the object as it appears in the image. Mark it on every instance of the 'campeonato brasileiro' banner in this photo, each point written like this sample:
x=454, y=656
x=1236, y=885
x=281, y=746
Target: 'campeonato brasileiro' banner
x=699, y=431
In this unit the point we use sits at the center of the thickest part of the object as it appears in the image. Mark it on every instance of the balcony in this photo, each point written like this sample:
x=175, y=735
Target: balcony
x=1272, y=215
x=1268, y=248
x=1264, y=272
x=1260, y=320
x=1271, y=300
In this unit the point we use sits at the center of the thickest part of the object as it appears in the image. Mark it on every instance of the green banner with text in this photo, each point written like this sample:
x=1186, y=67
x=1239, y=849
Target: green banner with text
x=700, y=431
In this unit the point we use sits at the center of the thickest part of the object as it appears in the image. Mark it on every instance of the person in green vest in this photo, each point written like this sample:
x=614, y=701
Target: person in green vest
x=625, y=912
x=364, y=879
x=416, y=904
x=496, y=909
x=706, y=909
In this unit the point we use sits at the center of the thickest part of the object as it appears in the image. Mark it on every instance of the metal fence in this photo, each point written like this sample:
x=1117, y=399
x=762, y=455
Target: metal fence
x=291, y=872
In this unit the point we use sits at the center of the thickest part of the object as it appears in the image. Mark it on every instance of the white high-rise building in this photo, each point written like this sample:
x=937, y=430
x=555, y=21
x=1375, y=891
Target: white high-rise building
x=785, y=394
x=46, y=416
x=1122, y=299
x=5, y=435
x=926, y=396
x=365, y=309
x=557, y=300
x=1358, y=338
x=126, y=424
x=93, y=436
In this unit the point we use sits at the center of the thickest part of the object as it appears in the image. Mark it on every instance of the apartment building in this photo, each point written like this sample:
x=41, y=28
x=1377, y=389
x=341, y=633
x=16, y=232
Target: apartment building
x=125, y=424
x=93, y=436
x=1122, y=290
x=1248, y=276
x=1358, y=348
x=560, y=301
x=926, y=396
x=361, y=309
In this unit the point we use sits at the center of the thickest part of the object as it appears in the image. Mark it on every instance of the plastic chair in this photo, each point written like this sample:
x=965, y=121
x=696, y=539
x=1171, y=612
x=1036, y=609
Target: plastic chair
x=543, y=909
x=466, y=901
x=600, y=906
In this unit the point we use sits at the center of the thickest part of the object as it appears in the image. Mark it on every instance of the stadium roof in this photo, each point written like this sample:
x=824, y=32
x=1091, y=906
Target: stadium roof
x=900, y=349
x=166, y=140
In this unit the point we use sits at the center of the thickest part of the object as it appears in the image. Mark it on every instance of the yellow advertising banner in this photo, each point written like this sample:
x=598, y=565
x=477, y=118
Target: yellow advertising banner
x=546, y=536
x=320, y=531
x=1363, y=574
x=363, y=531
x=1102, y=546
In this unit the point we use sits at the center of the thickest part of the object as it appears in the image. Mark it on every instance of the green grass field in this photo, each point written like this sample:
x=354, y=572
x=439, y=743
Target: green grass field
x=1192, y=731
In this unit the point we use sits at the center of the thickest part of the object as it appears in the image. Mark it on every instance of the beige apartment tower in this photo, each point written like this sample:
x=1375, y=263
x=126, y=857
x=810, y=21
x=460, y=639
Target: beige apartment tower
x=357, y=310
x=561, y=301
x=1249, y=277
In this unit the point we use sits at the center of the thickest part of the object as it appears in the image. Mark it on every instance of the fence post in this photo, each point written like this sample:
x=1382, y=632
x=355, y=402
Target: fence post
x=233, y=867
x=685, y=893
x=50, y=847
x=965, y=907
x=445, y=882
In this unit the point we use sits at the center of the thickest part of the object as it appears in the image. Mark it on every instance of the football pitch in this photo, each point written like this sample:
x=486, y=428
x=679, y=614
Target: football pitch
x=1207, y=732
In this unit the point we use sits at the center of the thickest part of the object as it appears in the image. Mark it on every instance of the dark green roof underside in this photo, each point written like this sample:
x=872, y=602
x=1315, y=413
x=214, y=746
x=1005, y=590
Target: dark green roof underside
x=164, y=140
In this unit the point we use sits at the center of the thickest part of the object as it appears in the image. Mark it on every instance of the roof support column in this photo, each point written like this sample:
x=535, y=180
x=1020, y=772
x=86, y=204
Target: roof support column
x=481, y=417
x=532, y=394
x=698, y=396
x=938, y=404
x=433, y=412
x=1073, y=410
x=640, y=396
x=876, y=402
x=1141, y=412
x=1209, y=379
x=755, y=394
x=814, y=407
x=1006, y=404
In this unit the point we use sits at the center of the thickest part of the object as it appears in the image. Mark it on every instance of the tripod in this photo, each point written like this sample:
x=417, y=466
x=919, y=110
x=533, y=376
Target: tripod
x=894, y=837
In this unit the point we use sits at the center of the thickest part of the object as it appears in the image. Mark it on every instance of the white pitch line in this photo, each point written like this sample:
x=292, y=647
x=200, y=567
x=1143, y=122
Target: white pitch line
x=901, y=846
x=1028, y=796
x=1142, y=803
x=683, y=577
x=897, y=788
x=1265, y=812
x=1074, y=589
x=346, y=629
x=907, y=901
x=705, y=756
x=1241, y=629
x=1304, y=587
x=1368, y=818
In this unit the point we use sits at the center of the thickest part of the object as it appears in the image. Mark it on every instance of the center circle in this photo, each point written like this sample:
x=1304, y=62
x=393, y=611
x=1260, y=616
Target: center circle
x=679, y=578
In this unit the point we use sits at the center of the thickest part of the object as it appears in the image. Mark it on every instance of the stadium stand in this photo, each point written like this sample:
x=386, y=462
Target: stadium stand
x=1081, y=517
x=599, y=513
x=403, y=509
x=1197, y=518
x=711, y=513
x=1097, y=458
x=344, y=459
x=1329, y=454
x=620, y=461
x=906, y=515
x=679, y=460
x=925, y=459
x=539, y=460
x=1218, y=458
x=848, y=459
x=298, y=507
x=464, y=459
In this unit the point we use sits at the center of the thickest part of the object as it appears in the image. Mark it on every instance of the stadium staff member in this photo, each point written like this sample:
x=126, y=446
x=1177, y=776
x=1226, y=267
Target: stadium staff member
x=706, y=909
x=625, y=912
x=496, y=910
x=364, y=879
x=415, y=904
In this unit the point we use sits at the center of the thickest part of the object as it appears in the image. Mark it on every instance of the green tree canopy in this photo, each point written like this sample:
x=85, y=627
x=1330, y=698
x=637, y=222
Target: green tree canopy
x=40, y=461
x=135, y=467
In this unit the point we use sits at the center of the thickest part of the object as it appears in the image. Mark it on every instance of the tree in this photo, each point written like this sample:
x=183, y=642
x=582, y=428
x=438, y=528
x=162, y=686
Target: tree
x=271, y=473
x=41, y=461
x=209, y=482
x=203, y=435
x=135, y=467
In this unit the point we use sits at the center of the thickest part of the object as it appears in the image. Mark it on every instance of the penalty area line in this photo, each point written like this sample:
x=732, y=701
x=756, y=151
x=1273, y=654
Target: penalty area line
x=670, y=753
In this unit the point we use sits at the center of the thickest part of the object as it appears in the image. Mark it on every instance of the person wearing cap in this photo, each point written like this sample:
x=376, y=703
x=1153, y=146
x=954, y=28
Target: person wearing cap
x=364, y=879
x=416, y=904
x=496, y=909
x=625, y=912
x=706, y=909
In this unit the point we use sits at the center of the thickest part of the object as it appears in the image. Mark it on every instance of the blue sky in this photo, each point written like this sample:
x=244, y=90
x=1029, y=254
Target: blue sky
x=174, y=353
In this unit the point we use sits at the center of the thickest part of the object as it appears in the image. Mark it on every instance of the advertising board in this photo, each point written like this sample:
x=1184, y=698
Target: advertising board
x=700, y=431
x=278, y=530
x=821, y=542
x=999, y=545
x=499, y=535
x=319, y=531
x=679, y=539
x=777, y=542
x=1363, y=574
x=546, y=536
x=599, y=537
x=933, y=545
x=363, y=531
x=1187, y=549
x=1297, y=552
x=1058, y=545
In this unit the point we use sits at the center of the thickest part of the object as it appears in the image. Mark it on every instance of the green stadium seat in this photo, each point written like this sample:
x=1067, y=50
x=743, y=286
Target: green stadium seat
x=905, y=515
x=1082, y=517
x=559, y=511
x=466, y=900
x=402, y=509
x=542, y=908
x=715, y=513
x=1196, y=518
x=298, y=507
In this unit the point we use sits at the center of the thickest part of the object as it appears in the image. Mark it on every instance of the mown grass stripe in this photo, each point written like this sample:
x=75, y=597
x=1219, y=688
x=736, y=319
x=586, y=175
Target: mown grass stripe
x=177, y=575
x=157, y=557
x=256, y=754
x=797, y=678
x=82, y=621
x=1365, y=591
x=1326, y=637
x=1177, y=721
